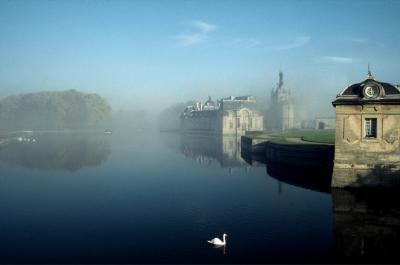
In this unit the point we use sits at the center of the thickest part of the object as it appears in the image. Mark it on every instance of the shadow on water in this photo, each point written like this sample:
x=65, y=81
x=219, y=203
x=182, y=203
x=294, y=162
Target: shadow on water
x=366, y=222
x=58, y=151
x=226, y=151
x=318, y=179
x=313, y=179
x=366, y=225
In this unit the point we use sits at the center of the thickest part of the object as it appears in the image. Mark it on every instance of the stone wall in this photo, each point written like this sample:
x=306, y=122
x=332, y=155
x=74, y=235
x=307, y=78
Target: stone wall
x=317, y=156
x=250, y=145
x=361, y=161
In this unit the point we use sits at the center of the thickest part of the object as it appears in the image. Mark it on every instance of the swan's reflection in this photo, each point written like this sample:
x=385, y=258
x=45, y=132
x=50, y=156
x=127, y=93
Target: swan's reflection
x=223, y=248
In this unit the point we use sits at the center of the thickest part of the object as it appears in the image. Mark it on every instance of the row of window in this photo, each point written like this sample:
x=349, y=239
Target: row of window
x=250, y=120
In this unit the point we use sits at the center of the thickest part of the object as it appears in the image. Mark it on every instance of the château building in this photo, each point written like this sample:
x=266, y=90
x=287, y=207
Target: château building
x=367, y=145
x=228, y=116
x=280, y=115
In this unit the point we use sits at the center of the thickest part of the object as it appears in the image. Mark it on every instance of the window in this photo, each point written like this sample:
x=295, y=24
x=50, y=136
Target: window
x=370, y=127
x=238, y=122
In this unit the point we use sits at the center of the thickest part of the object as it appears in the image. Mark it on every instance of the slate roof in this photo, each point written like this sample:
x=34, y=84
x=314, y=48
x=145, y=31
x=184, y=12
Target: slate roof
x=354, y=94
x=203, y=113
x=236, y=103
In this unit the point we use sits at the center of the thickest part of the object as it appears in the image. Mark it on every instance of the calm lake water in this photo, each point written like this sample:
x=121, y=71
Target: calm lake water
x=157, y=198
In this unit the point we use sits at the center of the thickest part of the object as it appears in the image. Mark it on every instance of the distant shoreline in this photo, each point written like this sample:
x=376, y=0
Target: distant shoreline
x=170, y=131
x=7, y=137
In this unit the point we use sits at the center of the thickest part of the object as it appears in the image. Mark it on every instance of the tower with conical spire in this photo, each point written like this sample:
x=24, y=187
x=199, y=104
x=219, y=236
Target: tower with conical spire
x=281, y=112
x=280, y=84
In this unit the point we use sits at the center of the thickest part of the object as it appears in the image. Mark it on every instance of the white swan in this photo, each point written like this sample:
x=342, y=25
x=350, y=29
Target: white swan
x=218, y=242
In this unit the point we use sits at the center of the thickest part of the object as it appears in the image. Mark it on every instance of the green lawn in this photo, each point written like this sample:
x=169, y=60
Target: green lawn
x=315, y=136
x=320, y=136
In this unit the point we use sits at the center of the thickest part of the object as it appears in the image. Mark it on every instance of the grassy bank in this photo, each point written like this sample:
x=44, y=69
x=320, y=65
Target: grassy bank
x=297, y=136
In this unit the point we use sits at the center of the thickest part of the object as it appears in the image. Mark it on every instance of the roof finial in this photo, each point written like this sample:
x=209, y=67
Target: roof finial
x=369, y=75
x=280, y=84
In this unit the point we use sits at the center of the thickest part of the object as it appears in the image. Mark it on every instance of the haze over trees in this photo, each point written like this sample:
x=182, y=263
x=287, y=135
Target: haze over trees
x=131, y=119
x=56, y=110
x=169, y=118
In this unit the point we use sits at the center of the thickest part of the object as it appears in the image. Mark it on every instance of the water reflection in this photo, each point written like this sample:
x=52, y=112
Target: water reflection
x=366, y=225
x=318, y=180
x=226, y=151
x=366, y=222
x=207, y=149
x=308, y=178
x=57, y=151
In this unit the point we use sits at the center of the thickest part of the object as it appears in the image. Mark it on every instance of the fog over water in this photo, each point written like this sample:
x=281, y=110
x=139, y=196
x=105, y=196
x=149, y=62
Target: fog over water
x=156, y=198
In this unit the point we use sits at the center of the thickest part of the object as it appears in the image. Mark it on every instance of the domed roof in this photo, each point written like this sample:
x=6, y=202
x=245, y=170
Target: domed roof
x=210, y=102
x=367, y=92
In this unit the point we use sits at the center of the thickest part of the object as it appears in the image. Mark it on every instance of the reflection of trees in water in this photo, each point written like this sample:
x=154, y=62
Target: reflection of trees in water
x=61, y=151
x=206, y=149
x=366, y=225
x=202, y=149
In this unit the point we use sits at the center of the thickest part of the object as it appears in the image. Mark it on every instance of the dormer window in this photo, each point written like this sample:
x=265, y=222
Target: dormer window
x=370, y=127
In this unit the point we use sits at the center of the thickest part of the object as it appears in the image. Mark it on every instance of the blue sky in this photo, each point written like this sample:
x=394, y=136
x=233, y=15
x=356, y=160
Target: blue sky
x=154, y=53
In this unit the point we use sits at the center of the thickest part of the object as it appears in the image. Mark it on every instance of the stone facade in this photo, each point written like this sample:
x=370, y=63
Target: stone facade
x=281, y=112
x=229, y=116
x=367, y=151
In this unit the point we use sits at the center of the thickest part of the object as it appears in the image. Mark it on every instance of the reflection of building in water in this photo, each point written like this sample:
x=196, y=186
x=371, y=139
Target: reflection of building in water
x=58, y=151
x=207, y=149
x=366, y=226
x=228, y=116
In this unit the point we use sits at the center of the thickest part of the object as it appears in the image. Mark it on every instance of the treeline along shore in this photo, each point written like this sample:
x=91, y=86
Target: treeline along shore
x=55, y=110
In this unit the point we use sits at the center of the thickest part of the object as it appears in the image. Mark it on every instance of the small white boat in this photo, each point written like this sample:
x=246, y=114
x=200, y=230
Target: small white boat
x=107, y=132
